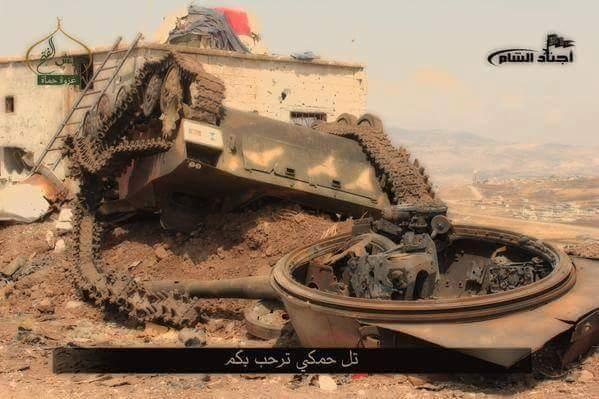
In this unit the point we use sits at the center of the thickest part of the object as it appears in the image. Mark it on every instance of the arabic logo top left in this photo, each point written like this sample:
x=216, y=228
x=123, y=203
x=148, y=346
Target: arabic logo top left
x=51, y=67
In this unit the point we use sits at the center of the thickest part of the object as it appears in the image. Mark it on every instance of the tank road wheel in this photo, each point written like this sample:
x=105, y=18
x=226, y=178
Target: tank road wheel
x=171, y=97
x=91, y=124
x=371, y=120
x=347, y=119
x=171, y=89
x=104, y=108
x=86, y=127
x=151, y=95
x=120, y=97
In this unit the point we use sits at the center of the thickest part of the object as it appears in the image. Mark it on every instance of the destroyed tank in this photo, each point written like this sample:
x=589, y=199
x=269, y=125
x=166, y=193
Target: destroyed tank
x=168, y=139
x=404, y=271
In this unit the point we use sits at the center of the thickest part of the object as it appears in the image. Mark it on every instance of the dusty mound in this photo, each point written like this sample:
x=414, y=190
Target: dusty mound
x=223, y=246
x=229, y=245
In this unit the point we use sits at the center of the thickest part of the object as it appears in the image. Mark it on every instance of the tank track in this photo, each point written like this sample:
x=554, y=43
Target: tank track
x=98, y=157
x=404, y=181
x=109, y=289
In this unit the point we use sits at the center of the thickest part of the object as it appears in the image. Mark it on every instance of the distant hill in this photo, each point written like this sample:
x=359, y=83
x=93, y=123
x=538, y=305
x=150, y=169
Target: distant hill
x=452, y=157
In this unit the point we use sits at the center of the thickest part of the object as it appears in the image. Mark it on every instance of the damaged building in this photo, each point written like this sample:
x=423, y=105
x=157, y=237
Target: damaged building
x=286, y=88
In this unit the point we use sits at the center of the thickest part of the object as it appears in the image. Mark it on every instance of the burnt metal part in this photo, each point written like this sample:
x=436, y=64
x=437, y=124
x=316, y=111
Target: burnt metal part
x=524, y=317
x=409, y=268
x=266, y=319
x=584, y=335
x=440, y=225
x=394, y=273
x=505, y=275
x=294, y=292
x=254, y=287
x=532, y=329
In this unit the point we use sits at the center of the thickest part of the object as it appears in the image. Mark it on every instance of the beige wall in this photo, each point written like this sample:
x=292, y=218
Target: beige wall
x=253, y=83
x=256, y=84
x=38, y=110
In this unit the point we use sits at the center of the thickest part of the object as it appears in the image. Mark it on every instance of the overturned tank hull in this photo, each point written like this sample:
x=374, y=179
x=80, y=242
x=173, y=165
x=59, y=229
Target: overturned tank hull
x=248, y=157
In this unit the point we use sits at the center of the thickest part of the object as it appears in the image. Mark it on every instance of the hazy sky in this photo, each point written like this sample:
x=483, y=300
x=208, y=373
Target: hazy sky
x=426, y=60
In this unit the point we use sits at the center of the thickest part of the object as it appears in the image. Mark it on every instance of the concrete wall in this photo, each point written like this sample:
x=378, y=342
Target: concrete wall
x=275, y=89
x=257, y=83
x=38, y=111
x=253, y=83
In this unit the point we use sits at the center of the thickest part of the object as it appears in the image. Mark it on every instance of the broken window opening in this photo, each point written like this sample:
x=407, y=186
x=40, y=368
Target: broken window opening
x=307, y=118
x=9, y=104
x=15, y=160
x=85, y=69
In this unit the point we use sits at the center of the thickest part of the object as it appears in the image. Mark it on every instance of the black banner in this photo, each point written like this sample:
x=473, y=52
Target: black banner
x=282, y=360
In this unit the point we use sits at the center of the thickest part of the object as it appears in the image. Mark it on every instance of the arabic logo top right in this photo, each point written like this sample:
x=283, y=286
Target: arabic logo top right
x=557, y=50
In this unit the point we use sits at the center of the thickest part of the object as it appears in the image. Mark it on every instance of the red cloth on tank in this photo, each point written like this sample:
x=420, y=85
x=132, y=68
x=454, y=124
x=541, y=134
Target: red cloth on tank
x=237, y=19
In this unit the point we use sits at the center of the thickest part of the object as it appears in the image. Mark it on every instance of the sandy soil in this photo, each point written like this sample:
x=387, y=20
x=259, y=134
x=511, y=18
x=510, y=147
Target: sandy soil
x=42, y=310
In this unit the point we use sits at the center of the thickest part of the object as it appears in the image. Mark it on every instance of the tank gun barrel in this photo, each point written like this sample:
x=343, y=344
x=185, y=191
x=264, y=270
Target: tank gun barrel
x=254, y=287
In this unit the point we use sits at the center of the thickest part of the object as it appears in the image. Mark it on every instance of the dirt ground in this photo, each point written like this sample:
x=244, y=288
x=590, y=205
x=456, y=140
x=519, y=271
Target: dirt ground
x=42, y=310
